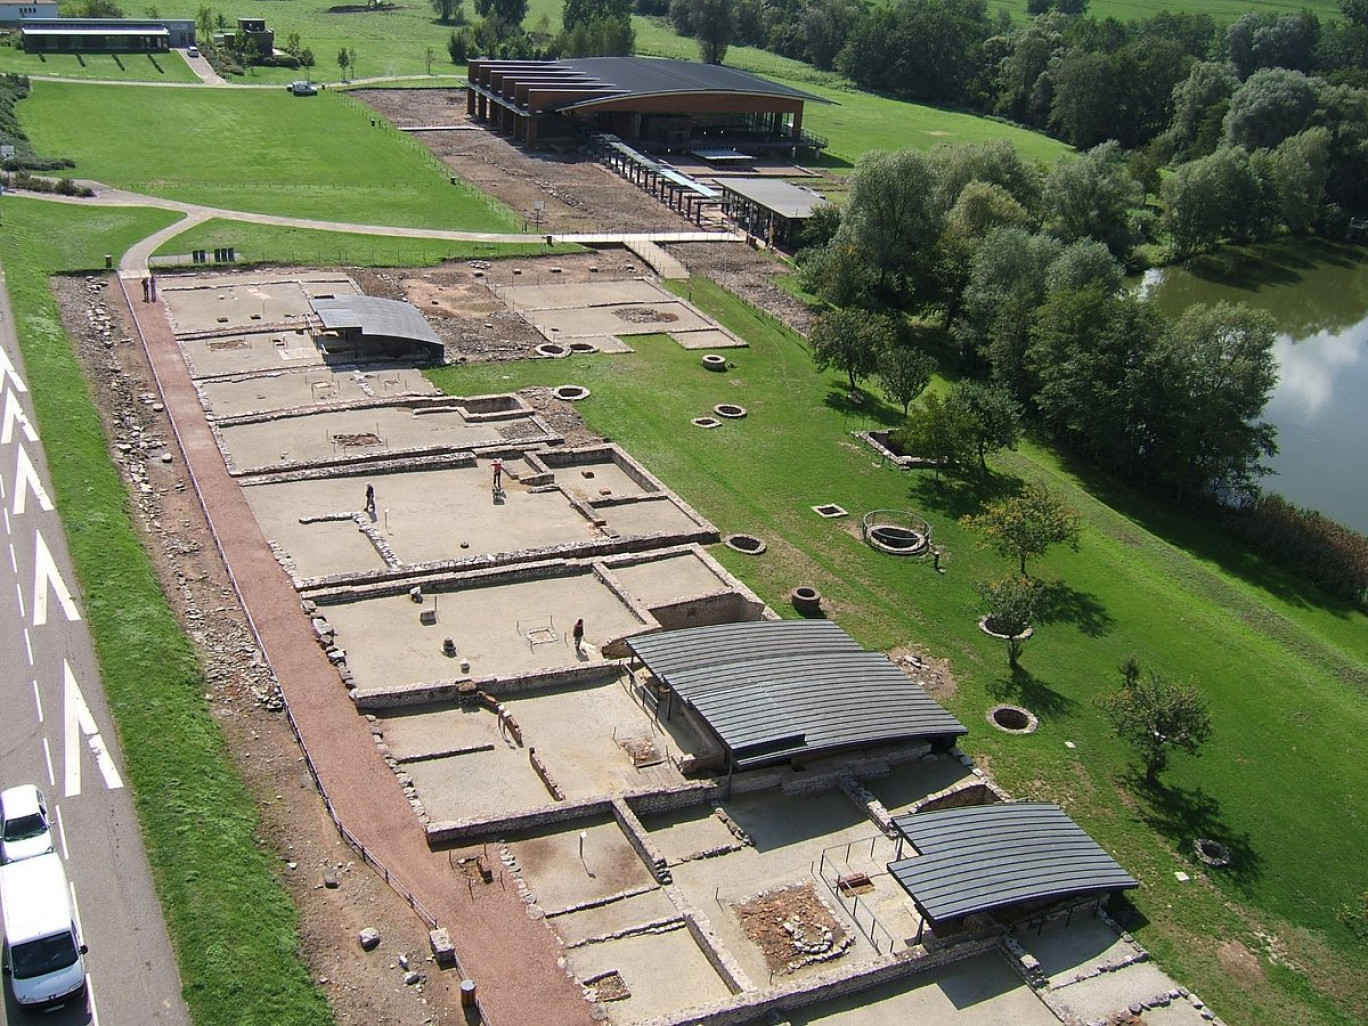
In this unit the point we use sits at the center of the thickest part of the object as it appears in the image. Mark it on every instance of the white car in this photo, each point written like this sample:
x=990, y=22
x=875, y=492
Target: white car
x=192, y=51
x=25, y=829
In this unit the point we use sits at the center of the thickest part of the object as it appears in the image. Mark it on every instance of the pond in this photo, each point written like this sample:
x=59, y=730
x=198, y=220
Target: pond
x=1318, y=296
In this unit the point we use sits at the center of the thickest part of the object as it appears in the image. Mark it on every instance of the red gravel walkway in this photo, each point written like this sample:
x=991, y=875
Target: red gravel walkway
x=512, y=957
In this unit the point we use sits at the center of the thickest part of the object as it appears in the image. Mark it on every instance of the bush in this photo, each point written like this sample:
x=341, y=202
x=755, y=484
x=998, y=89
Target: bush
x=1310, y=545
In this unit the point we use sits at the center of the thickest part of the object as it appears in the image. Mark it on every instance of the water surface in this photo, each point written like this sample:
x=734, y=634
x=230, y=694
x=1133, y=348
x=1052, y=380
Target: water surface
x=1318, y=296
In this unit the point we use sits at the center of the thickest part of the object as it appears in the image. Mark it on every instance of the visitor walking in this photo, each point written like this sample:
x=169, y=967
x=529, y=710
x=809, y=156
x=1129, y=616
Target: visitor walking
x=370, y=500
x=577, y=632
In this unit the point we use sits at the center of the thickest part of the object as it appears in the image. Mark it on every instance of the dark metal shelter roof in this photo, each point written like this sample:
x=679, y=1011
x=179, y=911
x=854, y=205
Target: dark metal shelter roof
x=783, y=198
x=982, y=857
x=777, y=689
x=654, y=76
x=376, y=318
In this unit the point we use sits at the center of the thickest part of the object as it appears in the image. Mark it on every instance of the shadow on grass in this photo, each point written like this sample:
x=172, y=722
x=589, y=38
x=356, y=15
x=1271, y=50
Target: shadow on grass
x=1185, y=814
x=1023, y=687
x=858, y=403
x=1126, y=915
x=1060, y=603
x=1208, y=538
x=958, y=493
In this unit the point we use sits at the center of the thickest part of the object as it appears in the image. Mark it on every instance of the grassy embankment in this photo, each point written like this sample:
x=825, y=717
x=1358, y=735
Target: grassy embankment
x=1282, y=667
x=127, y=67
x=255, y=150
x=231, y=921
x=268, y=244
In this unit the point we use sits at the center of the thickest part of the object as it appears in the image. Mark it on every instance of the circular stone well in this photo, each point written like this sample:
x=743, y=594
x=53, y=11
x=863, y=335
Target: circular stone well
x=715, y=362
x=896, y=532
x=987, y=629
x=583, y=347
x=706, y=422
x=729, y=410
x=552, y=349
x=747, y=543
x=570, y=393
x=1213, y=853
x=1013, y=719
x=807, y=601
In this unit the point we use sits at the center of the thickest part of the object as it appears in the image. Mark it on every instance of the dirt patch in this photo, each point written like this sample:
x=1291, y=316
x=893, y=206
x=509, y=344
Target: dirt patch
x=934, y=675
x=1241, y=963
x=792, y=928
x=578, y=195
x=644, y=315
x=363, y=988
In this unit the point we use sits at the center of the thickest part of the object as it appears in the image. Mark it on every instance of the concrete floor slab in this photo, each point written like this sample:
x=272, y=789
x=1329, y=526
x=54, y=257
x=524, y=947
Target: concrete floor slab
x=499, y=629
x=1104, y=995
x=557, y=296
x=658, y=581
x=683, y=832
x=322, y=437
x=980, y=991
x=651, y=907
x=275, y=390
x=426, y=729
x=660, y=516
x=622, y=319
x=248, y=354
x=664, y=972
x=553, y=868
x=424, y=516
x=912, y=783
x=707, y=338
x=215, y=302
x=479, y=785
x=600, y=479
x=585, y=736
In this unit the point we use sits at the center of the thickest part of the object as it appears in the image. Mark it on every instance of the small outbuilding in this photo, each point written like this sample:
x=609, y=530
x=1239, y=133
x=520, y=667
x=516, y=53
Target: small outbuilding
x=370, y=326
x=1014, y=860
x=13, y=11
x=768, y=208
x=790, y=691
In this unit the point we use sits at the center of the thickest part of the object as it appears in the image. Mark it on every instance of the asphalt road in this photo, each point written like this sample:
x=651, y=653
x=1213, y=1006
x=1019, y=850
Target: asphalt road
x=56, y=732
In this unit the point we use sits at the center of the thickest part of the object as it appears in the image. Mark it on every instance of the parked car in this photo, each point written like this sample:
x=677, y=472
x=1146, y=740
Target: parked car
x=192, y=51
x=25, y=829
x=303, y=88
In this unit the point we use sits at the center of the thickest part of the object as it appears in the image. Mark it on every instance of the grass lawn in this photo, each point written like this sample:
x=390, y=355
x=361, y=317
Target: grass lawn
x=256, y=150
x=1284, y=671
x=231, y=921
x=125, y=67
x=262, y=243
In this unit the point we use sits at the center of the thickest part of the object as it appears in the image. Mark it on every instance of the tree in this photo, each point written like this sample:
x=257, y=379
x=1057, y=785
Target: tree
x=1271, y=105
x=713, y=23
x=506, y=12
x=1026, y=524
x=904, y=372
x=582, y=12
x=994, y=414
x=1155, y=716
x=204, y=26
x=1011, y=605
x=343, y=62
x=851, y=341
x=1200, y=103
x=1218, y=370
x=1299, y=169
x=1211, y=199
x=937, y=431
x=891, y=218
x=449, y=12
x=1091, y=197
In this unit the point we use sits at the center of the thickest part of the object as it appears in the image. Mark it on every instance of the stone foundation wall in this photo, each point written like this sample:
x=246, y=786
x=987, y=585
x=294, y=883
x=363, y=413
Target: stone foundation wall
x=452, y=832
x=706, y=610
x=402, y=696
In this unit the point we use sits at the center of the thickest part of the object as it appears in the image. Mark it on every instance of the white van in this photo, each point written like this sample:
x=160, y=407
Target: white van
x=43, y=949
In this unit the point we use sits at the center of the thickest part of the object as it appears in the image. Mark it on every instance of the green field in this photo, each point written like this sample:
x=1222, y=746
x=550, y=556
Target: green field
x=260, y=243
x=258, y=150
x=166, y=67
x=231, y=921
x=1284, y=670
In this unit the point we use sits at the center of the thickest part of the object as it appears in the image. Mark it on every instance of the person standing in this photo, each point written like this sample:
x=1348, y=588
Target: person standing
x=577, y=632
x=497, y=467
x=370, y=500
